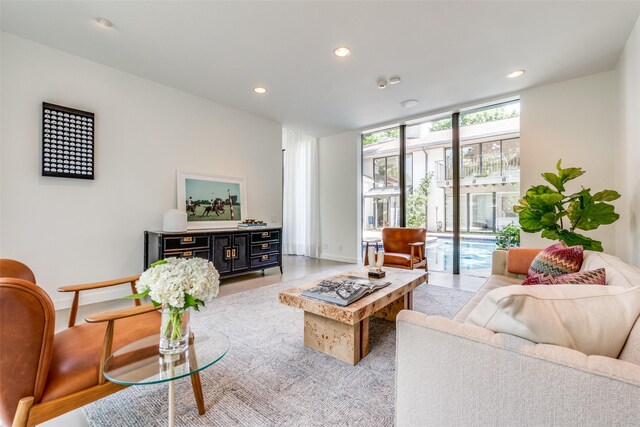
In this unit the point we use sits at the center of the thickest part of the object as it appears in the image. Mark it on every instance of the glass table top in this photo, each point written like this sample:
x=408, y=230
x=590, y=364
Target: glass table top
x=141, y=362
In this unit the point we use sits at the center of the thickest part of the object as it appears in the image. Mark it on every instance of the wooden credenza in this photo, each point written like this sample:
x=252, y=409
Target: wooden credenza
x=233, y=251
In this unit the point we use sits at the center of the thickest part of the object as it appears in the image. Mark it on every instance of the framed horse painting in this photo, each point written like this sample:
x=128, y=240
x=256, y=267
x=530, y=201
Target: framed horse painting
x=211, y=201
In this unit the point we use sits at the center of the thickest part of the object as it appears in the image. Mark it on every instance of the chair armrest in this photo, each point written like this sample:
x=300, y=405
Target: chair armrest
x=123, y=313
x=95, y=285
x=98, y=285
x=451, y=373
x=416, y=244
x=110, y=317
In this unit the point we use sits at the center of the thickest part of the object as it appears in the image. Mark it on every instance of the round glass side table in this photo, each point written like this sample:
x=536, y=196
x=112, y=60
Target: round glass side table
x=141, y=363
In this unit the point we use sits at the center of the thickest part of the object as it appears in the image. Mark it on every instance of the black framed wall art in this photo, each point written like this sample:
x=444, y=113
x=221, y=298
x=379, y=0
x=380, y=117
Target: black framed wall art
x=67, y=142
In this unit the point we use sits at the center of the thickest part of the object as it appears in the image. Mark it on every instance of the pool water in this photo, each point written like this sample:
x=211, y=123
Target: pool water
x=473, y=255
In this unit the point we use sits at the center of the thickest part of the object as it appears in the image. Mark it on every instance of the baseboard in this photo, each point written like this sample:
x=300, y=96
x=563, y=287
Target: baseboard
x=339, y=258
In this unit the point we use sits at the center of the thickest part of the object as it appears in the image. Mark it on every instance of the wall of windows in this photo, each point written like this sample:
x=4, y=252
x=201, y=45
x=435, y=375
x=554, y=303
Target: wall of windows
x=489, y=174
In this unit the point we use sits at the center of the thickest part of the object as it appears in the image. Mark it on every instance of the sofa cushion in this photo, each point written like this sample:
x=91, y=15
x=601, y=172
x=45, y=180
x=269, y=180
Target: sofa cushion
x=556, y=260
x=619, y=273
x=595, y=320
x=590, y=277
x=493, y=282
x=519, y=259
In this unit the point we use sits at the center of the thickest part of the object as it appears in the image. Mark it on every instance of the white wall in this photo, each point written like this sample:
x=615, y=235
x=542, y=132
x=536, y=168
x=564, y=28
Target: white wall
x=340, y=197
x=627, y=173
x=73, y=231
x=573, y=121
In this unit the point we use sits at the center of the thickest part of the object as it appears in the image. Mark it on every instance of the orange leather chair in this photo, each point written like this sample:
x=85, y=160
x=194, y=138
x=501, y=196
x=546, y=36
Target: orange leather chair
x=404, y=247
x=44, y=374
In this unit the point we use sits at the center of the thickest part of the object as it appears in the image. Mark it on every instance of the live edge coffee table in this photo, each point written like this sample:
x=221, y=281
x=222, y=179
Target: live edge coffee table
x=343, y=332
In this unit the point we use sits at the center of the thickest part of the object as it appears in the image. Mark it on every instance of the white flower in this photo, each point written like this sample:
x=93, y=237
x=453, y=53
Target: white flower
x=178, y=278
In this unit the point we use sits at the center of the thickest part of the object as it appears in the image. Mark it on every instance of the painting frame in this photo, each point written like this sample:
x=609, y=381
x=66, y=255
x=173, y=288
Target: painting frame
x=203, y=216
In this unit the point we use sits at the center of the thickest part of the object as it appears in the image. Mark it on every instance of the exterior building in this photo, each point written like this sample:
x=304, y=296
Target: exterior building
x=489, y=180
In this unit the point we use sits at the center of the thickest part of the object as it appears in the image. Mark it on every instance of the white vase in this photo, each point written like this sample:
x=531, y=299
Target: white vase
x=371, y=256
x=174, y=331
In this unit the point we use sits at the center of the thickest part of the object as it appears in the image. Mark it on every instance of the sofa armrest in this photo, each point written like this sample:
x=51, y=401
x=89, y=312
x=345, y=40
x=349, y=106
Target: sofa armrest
x=450, y=373
x=499, y=262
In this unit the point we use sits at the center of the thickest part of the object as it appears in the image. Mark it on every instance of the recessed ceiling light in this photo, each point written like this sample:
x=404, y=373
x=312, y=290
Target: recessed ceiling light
x=394, y=80
x=514, y=74
x=104, y=22
x=260, y=90
x=382, y=83
x=342, y=51
x=409, y=103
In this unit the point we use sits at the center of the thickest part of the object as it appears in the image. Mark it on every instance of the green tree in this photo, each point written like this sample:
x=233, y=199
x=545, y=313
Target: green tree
x=484, y=116
x=417, y=203
x=383, y=135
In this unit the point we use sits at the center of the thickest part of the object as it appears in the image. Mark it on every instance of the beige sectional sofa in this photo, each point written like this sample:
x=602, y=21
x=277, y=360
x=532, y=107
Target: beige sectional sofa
x=451, y=373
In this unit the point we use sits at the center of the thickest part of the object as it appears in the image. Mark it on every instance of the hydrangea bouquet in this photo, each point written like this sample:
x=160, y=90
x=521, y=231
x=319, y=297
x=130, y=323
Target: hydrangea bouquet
x=178, y=284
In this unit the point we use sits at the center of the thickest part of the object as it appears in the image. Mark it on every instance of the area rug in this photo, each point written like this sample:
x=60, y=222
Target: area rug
x=269, y=378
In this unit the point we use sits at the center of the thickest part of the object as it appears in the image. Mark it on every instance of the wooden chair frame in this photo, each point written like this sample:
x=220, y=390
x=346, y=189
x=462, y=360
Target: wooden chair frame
x=30, y=414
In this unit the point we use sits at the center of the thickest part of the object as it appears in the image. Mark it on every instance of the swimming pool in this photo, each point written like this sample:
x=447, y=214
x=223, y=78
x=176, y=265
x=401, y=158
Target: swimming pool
x=474, y=255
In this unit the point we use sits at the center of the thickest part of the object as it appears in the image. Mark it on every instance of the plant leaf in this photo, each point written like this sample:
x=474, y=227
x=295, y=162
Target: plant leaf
x=548, y=220
x=568, y=174
x=554, y=180
x=189, y=301
x=605, y=196
x=137, y=296
x=550, y=234
x=596, y=214
x=159, y=262
x=574, y=239
x=530, y=221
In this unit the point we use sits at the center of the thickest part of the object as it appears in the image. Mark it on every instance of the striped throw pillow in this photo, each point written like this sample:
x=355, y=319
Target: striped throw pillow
x=590, y=277
x=556, y=260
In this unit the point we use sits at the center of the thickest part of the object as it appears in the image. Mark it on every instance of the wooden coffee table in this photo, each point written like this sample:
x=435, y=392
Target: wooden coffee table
x=343, y=332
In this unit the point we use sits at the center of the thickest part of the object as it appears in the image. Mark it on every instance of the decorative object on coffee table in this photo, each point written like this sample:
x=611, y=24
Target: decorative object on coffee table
x=178, y=284
x=67, y=142
x=376, y=261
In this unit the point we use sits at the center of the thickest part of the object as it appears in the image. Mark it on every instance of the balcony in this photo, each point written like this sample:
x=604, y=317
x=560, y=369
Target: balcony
x=485, y=169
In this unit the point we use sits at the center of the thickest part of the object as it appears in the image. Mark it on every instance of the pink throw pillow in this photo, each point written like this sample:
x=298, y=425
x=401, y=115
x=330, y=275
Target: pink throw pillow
x=556, y=260
x=590, y=277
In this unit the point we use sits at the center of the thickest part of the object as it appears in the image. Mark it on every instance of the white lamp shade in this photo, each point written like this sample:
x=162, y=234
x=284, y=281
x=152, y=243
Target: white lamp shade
x=174, y=220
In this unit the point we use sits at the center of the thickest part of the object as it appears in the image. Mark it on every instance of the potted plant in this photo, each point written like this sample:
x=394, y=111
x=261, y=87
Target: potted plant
x=558, y=215
x=508, y=237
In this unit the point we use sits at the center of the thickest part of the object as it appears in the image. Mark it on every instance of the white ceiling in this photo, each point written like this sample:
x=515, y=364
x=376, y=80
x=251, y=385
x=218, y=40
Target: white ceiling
x=447, y=53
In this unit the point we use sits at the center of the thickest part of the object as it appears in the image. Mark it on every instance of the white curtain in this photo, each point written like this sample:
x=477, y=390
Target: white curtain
x=301, y=210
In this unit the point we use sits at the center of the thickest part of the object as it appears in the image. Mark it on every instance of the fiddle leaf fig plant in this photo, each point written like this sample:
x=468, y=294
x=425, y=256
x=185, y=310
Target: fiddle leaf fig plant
x=558, y=215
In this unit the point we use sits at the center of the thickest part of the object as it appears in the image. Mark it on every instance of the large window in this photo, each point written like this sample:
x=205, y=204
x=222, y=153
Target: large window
x=386, y=172
x=488, y=170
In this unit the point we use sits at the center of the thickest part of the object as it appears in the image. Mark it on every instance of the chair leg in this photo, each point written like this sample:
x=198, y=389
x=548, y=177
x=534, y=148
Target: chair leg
x=195, y=379
x=22, y=413
x=197, y=392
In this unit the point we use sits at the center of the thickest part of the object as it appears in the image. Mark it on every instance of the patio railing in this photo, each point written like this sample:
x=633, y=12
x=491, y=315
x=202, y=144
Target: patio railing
x=480, y=166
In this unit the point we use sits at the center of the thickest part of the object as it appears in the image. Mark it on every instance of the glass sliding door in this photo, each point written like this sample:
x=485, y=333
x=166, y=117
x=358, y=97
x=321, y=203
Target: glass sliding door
x=489, y=181
x=380, y=181
x=427, y=184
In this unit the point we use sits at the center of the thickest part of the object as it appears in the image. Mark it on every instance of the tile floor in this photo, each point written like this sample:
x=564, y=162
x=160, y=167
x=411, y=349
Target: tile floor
x=293, y=267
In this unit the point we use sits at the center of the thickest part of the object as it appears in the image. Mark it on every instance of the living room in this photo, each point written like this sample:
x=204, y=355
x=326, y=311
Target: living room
x=171, y=86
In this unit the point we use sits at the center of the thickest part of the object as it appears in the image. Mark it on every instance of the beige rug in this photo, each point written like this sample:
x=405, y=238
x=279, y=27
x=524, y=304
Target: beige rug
x=269, y=378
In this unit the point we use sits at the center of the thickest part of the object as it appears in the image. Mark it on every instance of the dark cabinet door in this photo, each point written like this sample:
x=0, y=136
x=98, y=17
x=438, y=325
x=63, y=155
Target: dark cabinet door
x=222, y=253
x=241, y=260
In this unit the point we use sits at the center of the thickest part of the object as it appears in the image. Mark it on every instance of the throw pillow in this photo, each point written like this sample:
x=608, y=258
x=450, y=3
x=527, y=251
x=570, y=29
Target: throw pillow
x=595, y=320
x=556, y=260
x=591, y=277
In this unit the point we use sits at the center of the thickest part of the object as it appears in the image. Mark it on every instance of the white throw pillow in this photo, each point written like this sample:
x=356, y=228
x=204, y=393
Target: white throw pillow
x=590, y=319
